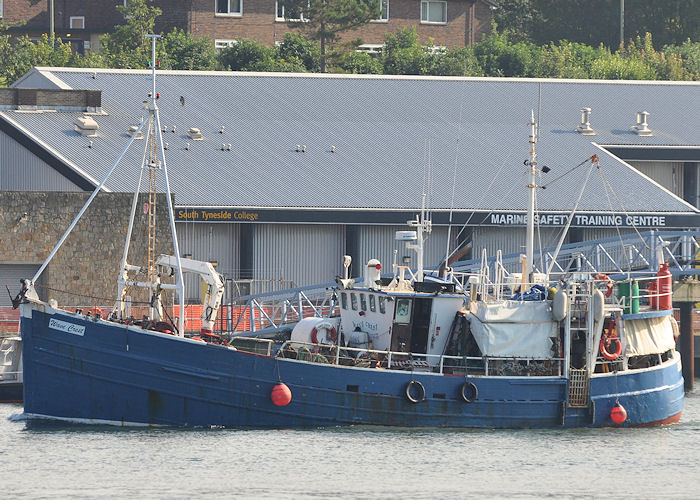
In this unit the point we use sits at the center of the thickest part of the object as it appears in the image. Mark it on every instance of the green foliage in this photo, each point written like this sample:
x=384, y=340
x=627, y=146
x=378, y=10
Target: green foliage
x=249, y=55
x=618, y=67
x=296, y=47
x=689, y=55
x=497, y=56
x=126, y=46
x=183, y=51
x=24, y=54
x=359, y=63
x=593, y=22
x=325, y=20
x=402, y=54
x=517, y=18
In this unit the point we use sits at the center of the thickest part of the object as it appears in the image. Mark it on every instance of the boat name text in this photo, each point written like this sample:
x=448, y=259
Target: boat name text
x=66, y=327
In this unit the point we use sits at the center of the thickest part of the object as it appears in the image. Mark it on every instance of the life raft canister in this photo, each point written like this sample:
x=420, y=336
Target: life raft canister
x=328, y=332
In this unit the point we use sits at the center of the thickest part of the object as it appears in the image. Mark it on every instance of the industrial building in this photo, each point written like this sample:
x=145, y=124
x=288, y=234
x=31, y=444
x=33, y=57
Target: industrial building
x=277, y=176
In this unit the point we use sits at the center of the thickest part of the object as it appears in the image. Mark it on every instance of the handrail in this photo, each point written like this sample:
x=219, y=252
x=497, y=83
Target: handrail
x=639, y=252
x=388, y=357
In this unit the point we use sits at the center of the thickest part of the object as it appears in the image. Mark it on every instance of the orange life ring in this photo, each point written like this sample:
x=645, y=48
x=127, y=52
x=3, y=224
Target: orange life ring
x=608, y=283
x=606, y=341
x=331, y=333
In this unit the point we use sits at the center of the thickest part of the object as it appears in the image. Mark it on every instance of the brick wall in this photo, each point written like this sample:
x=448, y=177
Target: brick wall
x=87, y=264
x=257, y=22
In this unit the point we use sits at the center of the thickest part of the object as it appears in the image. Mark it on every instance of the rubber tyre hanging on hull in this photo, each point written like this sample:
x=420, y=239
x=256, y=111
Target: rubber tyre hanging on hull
x=415, y=392
x=469, y=392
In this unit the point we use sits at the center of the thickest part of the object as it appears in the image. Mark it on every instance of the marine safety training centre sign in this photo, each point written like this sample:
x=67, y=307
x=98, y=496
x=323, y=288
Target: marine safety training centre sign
x=439, y=217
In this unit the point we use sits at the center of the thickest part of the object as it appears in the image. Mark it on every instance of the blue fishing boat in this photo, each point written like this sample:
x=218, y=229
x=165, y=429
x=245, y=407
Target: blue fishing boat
x=411, y=348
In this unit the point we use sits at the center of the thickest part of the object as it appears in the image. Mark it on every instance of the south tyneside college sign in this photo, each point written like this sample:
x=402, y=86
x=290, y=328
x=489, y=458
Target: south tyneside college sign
x=440, y=218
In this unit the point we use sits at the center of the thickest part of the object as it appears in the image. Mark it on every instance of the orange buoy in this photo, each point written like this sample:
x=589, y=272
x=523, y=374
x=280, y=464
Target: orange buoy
x=281, y=395
x=618, y=414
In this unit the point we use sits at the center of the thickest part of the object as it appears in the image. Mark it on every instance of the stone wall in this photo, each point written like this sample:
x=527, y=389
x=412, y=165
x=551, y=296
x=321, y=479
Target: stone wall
x=84, y=271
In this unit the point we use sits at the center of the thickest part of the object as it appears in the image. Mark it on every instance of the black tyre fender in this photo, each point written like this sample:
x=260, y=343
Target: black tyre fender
x=415, y=392
x=469, y=392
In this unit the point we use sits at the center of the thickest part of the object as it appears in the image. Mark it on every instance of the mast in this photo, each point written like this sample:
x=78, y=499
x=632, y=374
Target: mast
x=530, y=237
x=153, y=108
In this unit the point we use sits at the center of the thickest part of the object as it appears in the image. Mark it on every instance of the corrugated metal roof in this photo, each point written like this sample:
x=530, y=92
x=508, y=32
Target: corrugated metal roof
x=382, y=129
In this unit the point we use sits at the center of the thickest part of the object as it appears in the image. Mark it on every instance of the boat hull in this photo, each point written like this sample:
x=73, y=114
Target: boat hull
x=86, y=370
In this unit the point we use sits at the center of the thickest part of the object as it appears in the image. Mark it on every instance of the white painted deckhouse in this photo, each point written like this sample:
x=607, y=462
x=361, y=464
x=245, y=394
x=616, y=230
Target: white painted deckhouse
x=276, y=176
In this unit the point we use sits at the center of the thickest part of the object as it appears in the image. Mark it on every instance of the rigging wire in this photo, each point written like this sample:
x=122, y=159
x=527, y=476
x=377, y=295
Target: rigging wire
x=454, y=186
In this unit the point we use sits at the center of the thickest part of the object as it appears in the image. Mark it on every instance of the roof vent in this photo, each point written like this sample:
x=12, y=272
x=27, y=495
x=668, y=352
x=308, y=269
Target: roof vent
x=584, y=128
x=86, y=126
x=642, y=128
x=132, y=130
x=195, y=134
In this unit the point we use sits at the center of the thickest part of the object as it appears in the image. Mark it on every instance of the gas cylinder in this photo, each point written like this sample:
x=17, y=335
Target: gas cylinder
x=664, y=280
x=652, y=294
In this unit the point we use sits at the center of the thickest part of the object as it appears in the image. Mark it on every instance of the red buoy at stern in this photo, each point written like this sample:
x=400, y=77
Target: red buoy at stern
x=618, y=414
x=281, y=395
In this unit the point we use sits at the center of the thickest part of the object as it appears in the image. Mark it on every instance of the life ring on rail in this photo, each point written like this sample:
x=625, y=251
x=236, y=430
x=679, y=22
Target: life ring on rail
x=608, y=283
x=607, y=341
x=469, y=392
x=329, y=336
x=415, y=392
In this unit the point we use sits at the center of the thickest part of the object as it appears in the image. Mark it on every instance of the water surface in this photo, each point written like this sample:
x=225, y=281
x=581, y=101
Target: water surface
x=356, y=462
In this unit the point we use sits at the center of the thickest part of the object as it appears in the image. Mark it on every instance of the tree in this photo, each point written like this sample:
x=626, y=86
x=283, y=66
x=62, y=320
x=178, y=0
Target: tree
x=598, y=21
x=325, y=20
x=183, y=51
x=20, y=56
x=517, y=17
x=249, y=55
x=126, y=46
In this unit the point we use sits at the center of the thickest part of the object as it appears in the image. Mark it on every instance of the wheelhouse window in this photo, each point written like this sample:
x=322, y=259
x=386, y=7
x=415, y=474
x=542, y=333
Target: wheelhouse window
x=372, y=303
x=403, y=311
x=344, y=300
x=229, y=7
x=433, y=12
x=353, y=301
x=363, y=302
x=282, y=14
x=382, y=304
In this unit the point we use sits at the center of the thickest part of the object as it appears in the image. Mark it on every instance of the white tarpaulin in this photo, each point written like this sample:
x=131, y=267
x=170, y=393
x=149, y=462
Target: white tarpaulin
x=648, y=335
x=512, y=328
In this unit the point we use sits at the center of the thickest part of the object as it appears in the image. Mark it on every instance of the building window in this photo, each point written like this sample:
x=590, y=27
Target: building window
x=433, y=12
x=1, y=6
x=371, y=48
x=221, y=43
x=288, y=15
x=77, y=22
x=384, y=13
x=229, y=7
